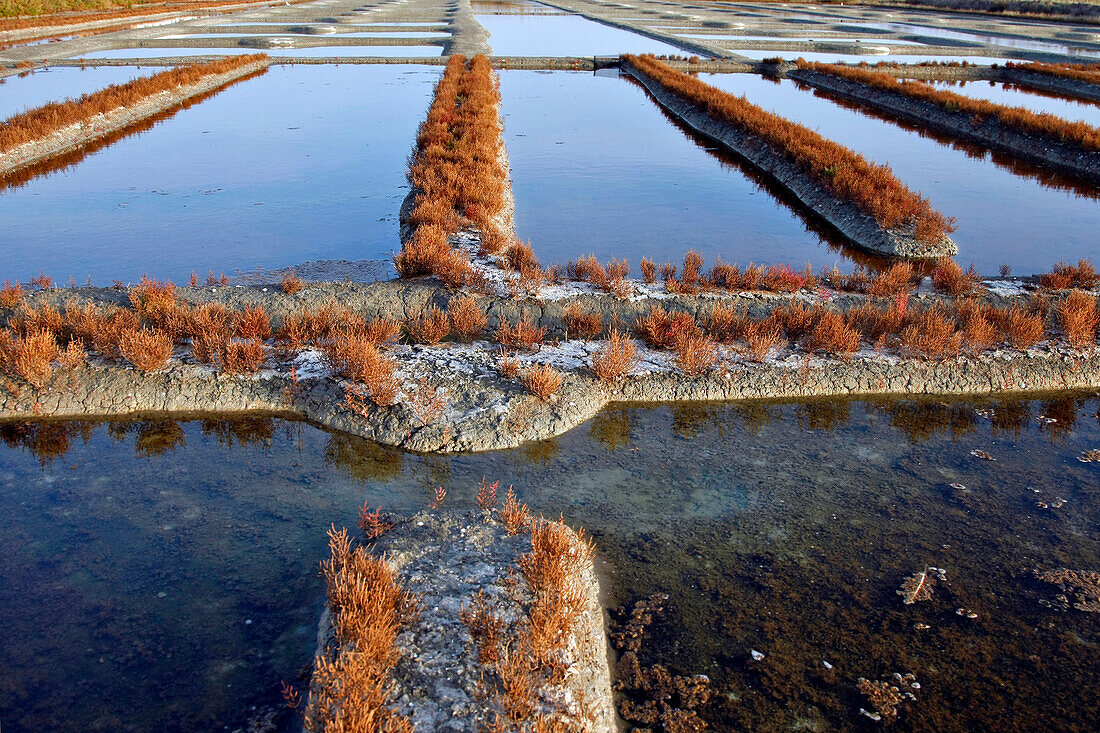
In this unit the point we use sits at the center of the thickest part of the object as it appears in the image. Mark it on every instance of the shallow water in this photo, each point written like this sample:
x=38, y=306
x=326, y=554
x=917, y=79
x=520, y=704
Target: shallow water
x=779, y=528
x=871, y=58
x=1003, y=218
x=23, y=92
x=299, y=164
x=1026, y=44
x=564, y=35
x=598, y=169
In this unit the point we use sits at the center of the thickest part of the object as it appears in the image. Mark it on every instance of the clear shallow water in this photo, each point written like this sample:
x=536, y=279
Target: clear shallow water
x=564, y=35
x=1003, y=218
x=597, y=168
x=20, y=93
x=301, y=163
x=781, y=528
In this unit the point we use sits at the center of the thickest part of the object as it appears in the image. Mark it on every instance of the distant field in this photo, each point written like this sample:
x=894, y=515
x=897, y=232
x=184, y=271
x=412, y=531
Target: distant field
x=12, y=8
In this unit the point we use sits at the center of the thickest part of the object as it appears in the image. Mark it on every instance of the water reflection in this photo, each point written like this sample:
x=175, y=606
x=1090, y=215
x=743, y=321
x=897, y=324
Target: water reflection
x=597, y=168
x=1003, y=215
x=134, y=550
x=221, y=198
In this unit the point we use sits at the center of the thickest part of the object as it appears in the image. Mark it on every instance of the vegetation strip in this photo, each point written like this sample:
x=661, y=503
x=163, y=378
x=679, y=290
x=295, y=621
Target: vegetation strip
x=482, y=373
x=59, y=126
x=459, y=177
x=896, y=221
x=1081, y=81
x=55, y=14
x=529, y=646
x=1071, y=147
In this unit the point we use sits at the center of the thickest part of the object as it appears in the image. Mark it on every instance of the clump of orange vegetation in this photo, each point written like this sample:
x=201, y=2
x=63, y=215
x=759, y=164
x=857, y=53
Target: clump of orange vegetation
x=543, y=381
x=352, y=683
x=36, y=123
x=762, y=338
x=832, y=333
x=552, y=569
x=468, y=320
x=1063, y=277
x=950, y=278
x=1021, y=119
x=896, y=279
x=373, y=524
x=252, y=323
x=524, y=335
x=457, y=173
x=431, y=328
x=661, y=329
x=1022, y=328
x=871, y=187
x=772, y=278
x=148, y=350
x=695, y=355
x=514, y=514
x=615, y=358
x=359, y=359
x=242, y=357
x=290, y=283
x=152, y=300
x=579, y=324
x=507, y=364
x=1078, y=315
x=610, y=278
x=932, y=334
x=11, y=295
x=29, y=356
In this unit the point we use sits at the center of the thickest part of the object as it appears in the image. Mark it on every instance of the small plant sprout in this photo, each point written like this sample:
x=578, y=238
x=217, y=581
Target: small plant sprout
x=291, y=283
x=514, y=514
x=487, y=494
x=440, y=495
x=373, y=524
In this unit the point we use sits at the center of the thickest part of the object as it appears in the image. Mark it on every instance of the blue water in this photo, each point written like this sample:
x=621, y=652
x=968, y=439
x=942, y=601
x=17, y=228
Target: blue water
x=301, y=163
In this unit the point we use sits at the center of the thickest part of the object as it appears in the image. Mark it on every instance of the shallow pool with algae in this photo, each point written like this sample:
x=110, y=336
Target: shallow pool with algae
x=162, y=574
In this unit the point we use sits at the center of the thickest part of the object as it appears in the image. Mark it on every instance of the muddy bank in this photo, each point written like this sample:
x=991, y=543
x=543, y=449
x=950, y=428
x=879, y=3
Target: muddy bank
x=100, y=126
x=441, y=682
x=989, y=133
x=453, y=397
x=859, y=227
x=1048, y=83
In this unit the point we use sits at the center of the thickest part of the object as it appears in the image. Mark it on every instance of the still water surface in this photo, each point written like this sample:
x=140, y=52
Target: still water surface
x=298, y=164
x=161, y=574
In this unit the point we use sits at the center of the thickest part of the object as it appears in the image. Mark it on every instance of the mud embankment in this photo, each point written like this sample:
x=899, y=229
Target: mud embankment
x=88, y=131
x=447, y=559
x=989, y=132
x=481, y=408
x=1052, y=84
x=857, y=226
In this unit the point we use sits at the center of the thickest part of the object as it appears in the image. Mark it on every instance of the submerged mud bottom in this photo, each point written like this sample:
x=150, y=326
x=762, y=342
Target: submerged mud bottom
x=784, y=529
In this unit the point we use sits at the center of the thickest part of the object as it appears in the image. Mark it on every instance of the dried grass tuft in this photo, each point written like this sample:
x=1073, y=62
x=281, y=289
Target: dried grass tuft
x=468, y=320
x=542, y=381
x=615, y=358
x=431, y=328
x=579, y=324
x=148, y=350
x=524, y=335
x=1078, y=316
